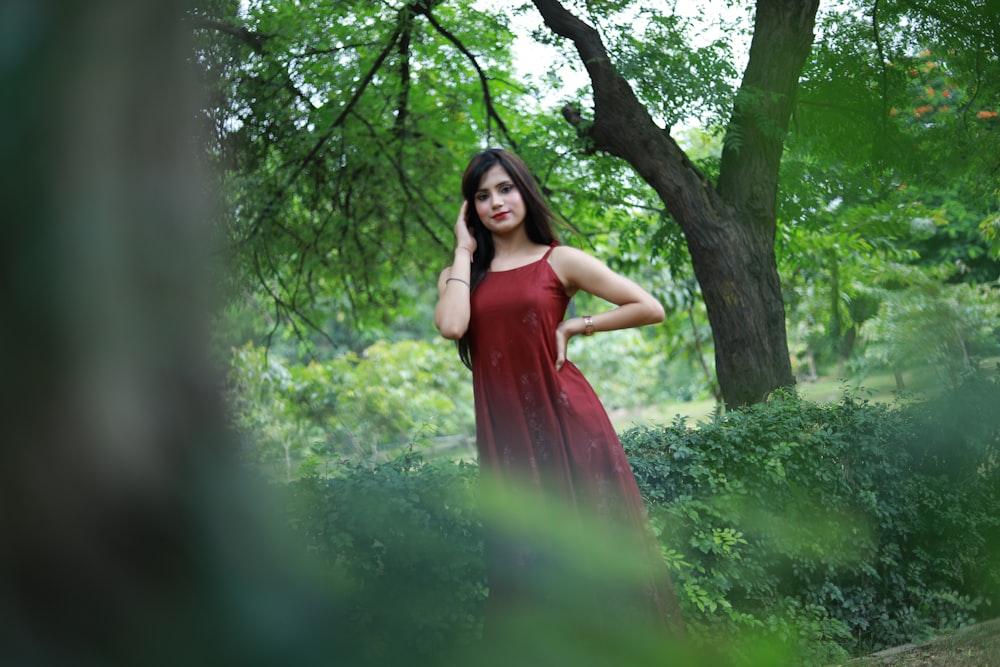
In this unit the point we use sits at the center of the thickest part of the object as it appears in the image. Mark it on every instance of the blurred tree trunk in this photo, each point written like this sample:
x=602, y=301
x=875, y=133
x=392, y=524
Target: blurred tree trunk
x=104, y=369
x=112, y=481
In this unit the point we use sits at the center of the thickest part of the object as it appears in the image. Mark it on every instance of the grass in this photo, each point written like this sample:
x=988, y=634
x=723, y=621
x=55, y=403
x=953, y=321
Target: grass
x=975, y=646
x=876, y=388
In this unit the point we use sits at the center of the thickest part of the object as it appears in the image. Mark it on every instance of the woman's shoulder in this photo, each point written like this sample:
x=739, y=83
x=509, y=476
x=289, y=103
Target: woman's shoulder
x=573, y=266
x=570, y=257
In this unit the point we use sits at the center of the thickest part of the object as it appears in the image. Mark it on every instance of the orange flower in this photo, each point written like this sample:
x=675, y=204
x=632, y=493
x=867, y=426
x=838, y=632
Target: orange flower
x=946, y=92
x=983, y=115
x=929, y=91
x=925, y=52
x=893, y=111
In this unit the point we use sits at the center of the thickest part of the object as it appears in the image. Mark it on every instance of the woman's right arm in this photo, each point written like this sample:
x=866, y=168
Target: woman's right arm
x=451, y=316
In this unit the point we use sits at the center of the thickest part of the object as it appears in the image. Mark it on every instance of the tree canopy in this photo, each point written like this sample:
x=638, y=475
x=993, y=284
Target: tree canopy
x=341, y=128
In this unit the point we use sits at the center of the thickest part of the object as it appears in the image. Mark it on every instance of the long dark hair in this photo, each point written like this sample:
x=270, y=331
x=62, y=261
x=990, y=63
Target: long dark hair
x=538, y=217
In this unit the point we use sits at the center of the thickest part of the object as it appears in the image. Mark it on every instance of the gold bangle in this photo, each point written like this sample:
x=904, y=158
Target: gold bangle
x=588, y=325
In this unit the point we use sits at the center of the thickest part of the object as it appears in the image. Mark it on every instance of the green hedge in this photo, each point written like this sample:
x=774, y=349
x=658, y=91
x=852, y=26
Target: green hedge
x=855, y=523
x=823, y=529
x=404, y=540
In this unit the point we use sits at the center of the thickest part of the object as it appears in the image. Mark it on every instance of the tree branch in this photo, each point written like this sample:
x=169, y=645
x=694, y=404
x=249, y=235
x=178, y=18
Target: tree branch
x=622, y=125
x=404, y=181
x=883, y=70
x=491, y=111
x=321, y=141
x=251, y=38
x=402, y=101
x=255, y=40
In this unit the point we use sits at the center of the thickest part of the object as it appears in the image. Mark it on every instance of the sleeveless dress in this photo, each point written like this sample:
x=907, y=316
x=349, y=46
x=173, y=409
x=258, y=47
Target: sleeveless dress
x=546, y=433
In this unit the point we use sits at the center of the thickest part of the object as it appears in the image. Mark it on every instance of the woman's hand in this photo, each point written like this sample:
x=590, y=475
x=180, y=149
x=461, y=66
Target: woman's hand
x=463, y=235
x=564, y=332
x=451, y=315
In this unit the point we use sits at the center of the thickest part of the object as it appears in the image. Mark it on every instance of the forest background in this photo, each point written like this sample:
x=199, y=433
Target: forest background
x=812, y=191
x=820, y=204
x=338, y=134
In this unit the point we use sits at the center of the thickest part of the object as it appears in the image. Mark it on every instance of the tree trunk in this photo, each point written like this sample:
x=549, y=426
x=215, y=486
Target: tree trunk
x=729, y=228
x=118, y=509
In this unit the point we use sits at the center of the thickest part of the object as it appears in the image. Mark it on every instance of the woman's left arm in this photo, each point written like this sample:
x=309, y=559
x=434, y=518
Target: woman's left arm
x=635, y=306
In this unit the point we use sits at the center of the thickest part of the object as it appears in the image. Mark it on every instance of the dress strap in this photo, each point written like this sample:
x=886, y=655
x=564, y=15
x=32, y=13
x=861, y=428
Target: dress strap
x=549, y=251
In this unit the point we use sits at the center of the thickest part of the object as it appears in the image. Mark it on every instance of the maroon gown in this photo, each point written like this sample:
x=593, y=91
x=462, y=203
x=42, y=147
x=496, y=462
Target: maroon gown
x=547, y=431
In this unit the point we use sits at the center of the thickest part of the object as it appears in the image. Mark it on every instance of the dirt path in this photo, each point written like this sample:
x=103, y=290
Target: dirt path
x=975, y=646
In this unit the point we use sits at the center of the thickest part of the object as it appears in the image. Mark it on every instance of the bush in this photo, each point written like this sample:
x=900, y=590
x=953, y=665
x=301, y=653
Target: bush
x=367, y=406
x=856, y=524
x=815, y=530
x=406, y=537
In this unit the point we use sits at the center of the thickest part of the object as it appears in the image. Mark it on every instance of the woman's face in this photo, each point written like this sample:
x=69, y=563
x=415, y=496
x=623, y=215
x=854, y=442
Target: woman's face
x=498, y=202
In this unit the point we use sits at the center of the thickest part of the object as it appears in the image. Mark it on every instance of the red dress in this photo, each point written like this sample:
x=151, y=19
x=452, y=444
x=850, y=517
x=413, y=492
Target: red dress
x=547, y=431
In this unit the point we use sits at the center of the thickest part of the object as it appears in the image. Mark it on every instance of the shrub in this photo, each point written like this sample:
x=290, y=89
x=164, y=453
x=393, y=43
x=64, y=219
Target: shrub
x=815, y=530
x=367, y=406
x=406, y=537
x=852, y=523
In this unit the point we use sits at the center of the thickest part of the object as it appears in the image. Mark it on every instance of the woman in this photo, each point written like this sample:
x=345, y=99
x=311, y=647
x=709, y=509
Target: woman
x=539, y=425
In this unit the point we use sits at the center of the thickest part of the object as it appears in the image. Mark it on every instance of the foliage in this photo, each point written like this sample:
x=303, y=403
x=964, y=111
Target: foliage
x=819, y=529
x=676, y=81
x=635, y=369
x=870, y=525
x=404, y=541
x=924, y=320
x=916, y=84
x=328, y=118
x=990, y=228
x=893, y=160
x=392, y=395
x=829, y=260
x=406, y=537
x=959, y=233
x=415, y=393
x=617, y=368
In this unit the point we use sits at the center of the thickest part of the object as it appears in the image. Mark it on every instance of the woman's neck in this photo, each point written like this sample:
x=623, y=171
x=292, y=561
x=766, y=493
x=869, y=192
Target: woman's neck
x=510, y=246
x=510, y=253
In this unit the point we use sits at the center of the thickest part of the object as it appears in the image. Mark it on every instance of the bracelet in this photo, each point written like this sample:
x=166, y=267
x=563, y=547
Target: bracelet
x=588, y=325
x=466, y=282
